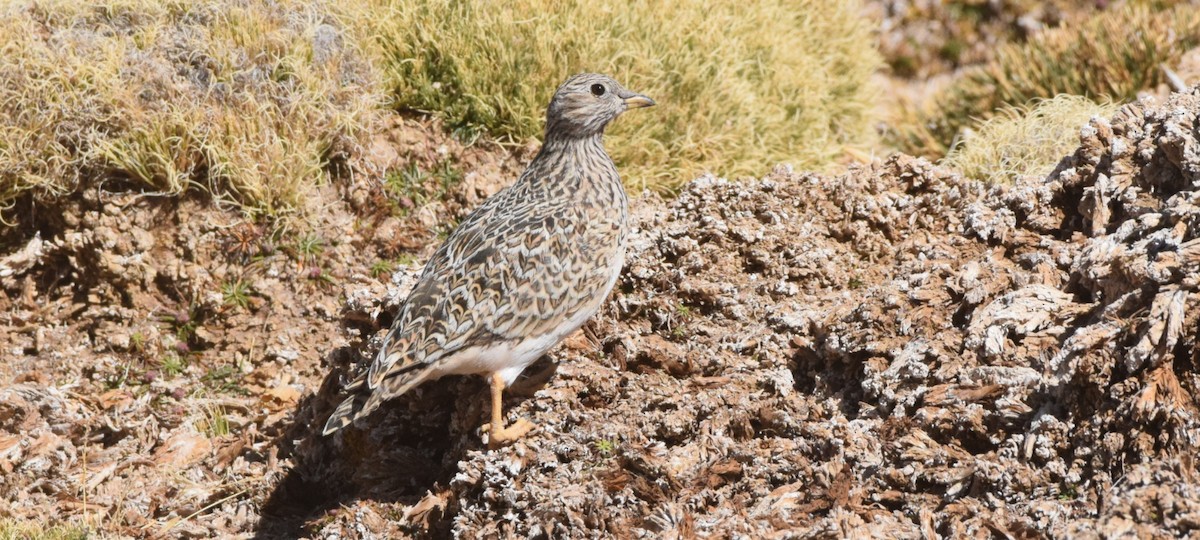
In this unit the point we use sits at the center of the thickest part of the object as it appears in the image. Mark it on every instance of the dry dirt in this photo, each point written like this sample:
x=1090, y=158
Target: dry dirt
x=895, y=352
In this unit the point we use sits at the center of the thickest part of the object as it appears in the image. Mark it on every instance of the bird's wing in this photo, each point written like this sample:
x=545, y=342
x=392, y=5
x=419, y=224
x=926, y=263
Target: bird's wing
x=521, y=265
x=437, y=318
x=554, y=264
x=516, y=268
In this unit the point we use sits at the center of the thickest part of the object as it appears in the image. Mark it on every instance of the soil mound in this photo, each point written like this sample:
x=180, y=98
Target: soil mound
x=896, y=351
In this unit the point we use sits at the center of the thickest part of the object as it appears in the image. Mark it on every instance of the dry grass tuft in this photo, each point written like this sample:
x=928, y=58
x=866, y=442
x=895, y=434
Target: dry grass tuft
x=1114, y=56
x=252, y=101
x=28, y=530
x=1025, y=141
x=740, y=85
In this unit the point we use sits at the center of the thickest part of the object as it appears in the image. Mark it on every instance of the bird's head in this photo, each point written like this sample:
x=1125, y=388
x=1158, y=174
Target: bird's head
x=586, y=103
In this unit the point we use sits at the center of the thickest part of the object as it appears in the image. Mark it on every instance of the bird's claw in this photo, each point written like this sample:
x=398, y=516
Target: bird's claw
x=507, y=435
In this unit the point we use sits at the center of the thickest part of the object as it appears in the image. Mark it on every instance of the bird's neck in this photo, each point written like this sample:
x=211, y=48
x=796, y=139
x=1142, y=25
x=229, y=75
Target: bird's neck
x=574, y=159
x=575, y=167
x=571, y=145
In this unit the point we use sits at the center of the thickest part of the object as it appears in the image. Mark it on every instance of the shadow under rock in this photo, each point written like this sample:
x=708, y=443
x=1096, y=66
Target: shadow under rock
x=411, y=445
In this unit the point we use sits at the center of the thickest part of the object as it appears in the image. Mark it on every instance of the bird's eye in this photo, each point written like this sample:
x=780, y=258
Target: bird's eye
x=597, y=89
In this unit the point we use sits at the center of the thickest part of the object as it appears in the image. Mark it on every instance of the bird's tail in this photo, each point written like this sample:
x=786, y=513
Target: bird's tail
x=361, y=404
x=344, y=414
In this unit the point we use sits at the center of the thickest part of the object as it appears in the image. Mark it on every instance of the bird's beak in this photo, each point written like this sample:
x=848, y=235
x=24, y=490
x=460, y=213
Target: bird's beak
x=638, y=101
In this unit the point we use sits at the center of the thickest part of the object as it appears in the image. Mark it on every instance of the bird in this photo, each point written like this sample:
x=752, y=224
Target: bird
x=520, y=273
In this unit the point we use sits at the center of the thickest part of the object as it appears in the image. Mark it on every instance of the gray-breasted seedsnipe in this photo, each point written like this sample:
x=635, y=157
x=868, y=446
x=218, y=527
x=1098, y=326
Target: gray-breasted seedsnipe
x=524, y=270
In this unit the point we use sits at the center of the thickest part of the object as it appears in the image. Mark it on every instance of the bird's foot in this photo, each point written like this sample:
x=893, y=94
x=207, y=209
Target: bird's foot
x=507, y=435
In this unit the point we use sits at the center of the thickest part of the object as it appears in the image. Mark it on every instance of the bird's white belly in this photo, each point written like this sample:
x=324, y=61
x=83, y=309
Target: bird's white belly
x=511, y=359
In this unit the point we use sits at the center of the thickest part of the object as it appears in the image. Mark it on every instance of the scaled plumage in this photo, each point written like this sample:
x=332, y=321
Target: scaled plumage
x=521, y=272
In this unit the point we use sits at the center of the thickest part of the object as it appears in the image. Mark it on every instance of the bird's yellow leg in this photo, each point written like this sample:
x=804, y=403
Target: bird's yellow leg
x=501, y=435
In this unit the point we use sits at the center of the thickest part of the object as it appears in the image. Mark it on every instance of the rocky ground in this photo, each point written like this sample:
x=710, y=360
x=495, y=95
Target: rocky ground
x=894, y=352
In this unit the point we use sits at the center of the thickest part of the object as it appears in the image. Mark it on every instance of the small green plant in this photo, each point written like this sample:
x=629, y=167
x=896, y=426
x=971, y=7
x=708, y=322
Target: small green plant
x=683, y=311
x=607, y=448
x=411, y=175
x=903, y=66
x=119, y=379
x=137, y=342
x=952, y=50
x=322, y=277
x=215, y=422
x=223, y=379
x=677, y=321
x=236, y=293
x=467, y=135
x=172, y=364
x=381, y=268
x=855, y=283
x=183, y=322
x=407, y=187
x=309, y=247
x=412, y=186
x=447, y=175
x=406, y=259
x=1067, y=492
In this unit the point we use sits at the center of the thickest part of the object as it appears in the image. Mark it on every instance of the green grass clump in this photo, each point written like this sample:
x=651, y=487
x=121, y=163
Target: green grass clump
x=1025, y=141
x=249, y=100
x=740, y=85
x=1112, y=56
x=30, y=530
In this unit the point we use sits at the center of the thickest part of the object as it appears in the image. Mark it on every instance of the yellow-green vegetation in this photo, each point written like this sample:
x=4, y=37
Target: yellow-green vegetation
x=1026, y=141
x=252, y=101
x=30, y=530
x=1112, y=56
x=740, y=84
x=259, y=102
